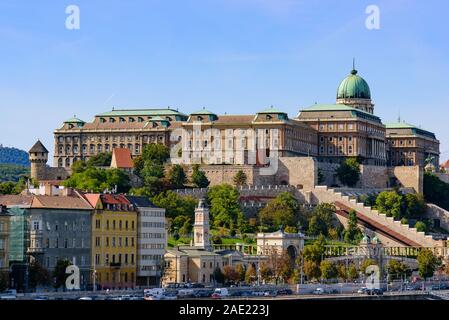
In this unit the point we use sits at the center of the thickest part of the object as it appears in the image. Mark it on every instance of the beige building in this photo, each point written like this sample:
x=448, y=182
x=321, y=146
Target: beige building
x=279, y=242
x=4, y=239
x=409, y=145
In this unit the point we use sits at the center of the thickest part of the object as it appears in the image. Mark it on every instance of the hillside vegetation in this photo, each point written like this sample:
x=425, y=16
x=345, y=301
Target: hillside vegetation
x=13, y=156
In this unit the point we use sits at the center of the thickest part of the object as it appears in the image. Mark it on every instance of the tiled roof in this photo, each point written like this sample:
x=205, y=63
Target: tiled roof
x=16, y=200
x=121, y=158
x=141, y=201
x=92, y=198
x=114, y=199
x=60, y=202
x=38, y=148
x=445, y=164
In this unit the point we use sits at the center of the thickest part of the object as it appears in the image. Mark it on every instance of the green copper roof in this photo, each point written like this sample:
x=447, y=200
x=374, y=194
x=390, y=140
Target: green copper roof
x=140, y=112
x=271, y=110
x=74, y=120
x=342, y=107
x=353, y=86
x=414, y=129
x=202, y=112
x=157, y=118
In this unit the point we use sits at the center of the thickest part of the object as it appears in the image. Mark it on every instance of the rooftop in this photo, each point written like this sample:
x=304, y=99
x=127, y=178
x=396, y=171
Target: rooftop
x=121, y=158
x=140, y=112
x=341, y=107
x=38, y=148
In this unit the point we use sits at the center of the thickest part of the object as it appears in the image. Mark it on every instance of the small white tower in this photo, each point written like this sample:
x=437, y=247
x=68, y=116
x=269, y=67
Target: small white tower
x=201, y=227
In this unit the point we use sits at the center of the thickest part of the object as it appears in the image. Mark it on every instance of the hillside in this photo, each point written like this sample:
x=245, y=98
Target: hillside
x=13, y=156
x=10, y=172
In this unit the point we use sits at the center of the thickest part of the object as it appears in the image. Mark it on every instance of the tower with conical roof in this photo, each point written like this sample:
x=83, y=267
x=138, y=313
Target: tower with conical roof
x=38, y=156
x=355, y=92
x=201, y=236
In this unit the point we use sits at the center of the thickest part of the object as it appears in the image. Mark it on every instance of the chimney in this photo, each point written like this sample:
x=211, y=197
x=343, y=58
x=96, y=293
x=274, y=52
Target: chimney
x=48, y=189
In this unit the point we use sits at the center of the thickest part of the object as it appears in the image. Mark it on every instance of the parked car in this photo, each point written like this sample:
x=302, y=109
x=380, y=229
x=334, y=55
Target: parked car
x=362, y=290
x=375, y=292
x=318, y=291
x=220, y=293
x=202, y=294
x=86, y=298
x=10, y=294
x=285, y=292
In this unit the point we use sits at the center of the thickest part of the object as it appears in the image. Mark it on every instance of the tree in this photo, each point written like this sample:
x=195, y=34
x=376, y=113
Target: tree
x=321, y=178
x=240, y=269
x=177, y=176
x=250, y=274
x=199, y=179
x=97, y=180
x=427, y=263
x=38, y=275
x=175, y=205
x=420, y=226
x=352, y=273
x=317, y=226
x=328, y=270
x=156, y=153
x=312, y=270
x=59, y=272
x=281, y=211
x=322, y=219
x=79, y=166
x=389, y=203
x=366, y=263
x=415, y=205
x=4, y=281
x=230, y=274
x=265, y=271
x=352, y=234
x=349, y=172
x=315, y=252
x=397, y=269
x=219, y=276
x=224, y=205
x=240, y=178
x=186, y=228
x=100, y=160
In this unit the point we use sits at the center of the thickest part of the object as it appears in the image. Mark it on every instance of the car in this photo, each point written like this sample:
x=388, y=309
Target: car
x=86, y=298
x=41, y=298
x=375, y=292
x=202, y=294
x=10, y=294
x=285, y=292
x=318, y=291
x=221, y=293
x=362, y=290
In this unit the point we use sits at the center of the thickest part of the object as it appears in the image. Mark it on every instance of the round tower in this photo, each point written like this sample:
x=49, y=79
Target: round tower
x=38, y=156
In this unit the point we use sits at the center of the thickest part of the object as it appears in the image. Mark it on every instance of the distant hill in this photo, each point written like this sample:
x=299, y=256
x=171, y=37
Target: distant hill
x=11, y=172
x=13, y=156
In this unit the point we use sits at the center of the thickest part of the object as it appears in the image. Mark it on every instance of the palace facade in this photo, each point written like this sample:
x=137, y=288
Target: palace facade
x=328, y=132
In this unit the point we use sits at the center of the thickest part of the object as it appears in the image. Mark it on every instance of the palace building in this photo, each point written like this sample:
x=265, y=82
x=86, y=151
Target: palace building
x=328, y=132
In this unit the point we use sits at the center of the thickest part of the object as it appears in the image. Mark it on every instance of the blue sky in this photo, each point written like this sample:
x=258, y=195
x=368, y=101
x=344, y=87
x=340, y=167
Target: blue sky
x=234, y=56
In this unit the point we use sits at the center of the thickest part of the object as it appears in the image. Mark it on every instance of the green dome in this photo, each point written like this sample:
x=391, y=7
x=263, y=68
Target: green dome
x=353, y=86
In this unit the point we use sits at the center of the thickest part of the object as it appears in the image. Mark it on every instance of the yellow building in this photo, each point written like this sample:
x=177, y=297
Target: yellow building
x=114, y=241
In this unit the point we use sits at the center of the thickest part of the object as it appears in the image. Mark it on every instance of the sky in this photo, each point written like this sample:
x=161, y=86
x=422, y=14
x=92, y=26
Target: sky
x=233, y=56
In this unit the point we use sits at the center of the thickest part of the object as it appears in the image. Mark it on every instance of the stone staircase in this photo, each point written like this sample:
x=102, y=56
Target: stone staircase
x=325, y=194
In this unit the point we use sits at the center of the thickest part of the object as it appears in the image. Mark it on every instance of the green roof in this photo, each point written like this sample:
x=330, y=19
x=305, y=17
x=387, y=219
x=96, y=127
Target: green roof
x=353, y=86
x=271, y=110
x=415, y=129
x=157, y=118
x=399, y=125
x=341, y=107
x=74, y=120
x=140, y=112
x=202, y=112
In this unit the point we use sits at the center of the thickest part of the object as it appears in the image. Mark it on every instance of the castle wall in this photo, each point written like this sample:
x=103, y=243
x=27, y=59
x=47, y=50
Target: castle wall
x=408, y=176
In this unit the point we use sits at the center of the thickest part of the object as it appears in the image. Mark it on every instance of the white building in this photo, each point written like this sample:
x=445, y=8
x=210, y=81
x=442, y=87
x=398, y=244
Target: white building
x=151, y=241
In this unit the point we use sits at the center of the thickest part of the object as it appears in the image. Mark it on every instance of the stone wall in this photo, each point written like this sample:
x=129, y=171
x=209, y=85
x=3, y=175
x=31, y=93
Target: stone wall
x=301, y=172
x=370, y=176
x=435, y=212
x=408, y=177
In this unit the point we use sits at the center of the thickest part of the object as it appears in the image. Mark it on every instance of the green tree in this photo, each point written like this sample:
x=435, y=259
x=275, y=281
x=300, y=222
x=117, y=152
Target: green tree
x=389, y=203
x=219, y=276
x=100, y=160
x=177, y=176
x=240, y=178
x=420, y=226
x=427, y=263
x=59, y=272
x=397, y=269
x=7, y=187
x=328, y=270
x=322, y=219
x=415, y=205
x=175, y=204
x=312, y=270
x=320, y=177
x=265, y=271
x=435, y=190
x=199, y=179
x=79, y=166
x=224, y=205
x=315, y=252
x=186, y=228
x=366, y=263
x=352, y=234
x=156, y=153
x=97, y=180
x=352, y=273
x=349, y=172
x=281, y=211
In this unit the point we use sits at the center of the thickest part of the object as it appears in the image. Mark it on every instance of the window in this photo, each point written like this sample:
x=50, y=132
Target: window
x=36, y=225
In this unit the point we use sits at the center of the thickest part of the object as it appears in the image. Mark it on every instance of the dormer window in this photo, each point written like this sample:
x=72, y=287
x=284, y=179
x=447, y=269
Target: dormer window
x=102, y=120
x=131, y=119
x=111, y=120
x=199, y=118
x=122, y=120
x=140, y=119
x=268, y=117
